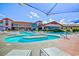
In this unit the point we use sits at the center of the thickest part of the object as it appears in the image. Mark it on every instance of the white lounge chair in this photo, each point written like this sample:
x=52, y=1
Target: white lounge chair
x=19, y=53
x=53, y=52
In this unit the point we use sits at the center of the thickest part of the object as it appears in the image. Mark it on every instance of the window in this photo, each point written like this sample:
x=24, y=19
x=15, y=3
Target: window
x=27, y=24
x=6, y=22
x=15, y=25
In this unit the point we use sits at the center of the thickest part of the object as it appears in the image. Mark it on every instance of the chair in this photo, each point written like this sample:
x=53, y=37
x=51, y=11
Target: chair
x=17, y=52
x=53, y=51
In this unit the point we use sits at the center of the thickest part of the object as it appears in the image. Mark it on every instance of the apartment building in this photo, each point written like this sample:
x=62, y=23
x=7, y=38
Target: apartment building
x=8, y=24
x=70, y=26
x=51, y=26
x=23, y=26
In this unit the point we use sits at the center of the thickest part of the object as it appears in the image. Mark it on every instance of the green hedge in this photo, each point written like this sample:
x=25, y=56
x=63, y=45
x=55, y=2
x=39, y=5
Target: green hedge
x=75, y=30
x=57, y=30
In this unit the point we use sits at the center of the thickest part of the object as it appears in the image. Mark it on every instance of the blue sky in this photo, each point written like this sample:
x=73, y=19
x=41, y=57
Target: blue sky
x=29, y=14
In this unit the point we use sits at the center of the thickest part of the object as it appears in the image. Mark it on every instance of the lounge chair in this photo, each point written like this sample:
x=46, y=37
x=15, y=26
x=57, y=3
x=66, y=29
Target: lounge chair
x=19, y=53
x=53, y=52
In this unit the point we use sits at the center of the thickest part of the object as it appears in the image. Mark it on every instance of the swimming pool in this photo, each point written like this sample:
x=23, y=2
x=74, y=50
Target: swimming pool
x=21, y=39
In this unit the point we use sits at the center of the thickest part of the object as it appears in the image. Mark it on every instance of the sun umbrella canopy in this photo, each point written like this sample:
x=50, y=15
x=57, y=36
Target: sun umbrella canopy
x=55, y=8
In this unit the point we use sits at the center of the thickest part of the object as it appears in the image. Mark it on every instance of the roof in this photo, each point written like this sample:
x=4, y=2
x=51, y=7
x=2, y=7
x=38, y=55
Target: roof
x=38, y=21
x=18, y=22
x=7, y=19
x=53, y=23
x=0, y=20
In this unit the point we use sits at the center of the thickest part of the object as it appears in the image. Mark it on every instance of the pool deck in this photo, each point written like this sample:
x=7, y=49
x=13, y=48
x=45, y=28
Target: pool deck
x=70, y=45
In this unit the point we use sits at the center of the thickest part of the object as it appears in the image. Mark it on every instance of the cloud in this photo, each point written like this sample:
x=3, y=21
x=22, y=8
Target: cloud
x=44, y=22
x=34, y=14
x=29, y=16
x=1, y=15
x=50, y=20
x=75, y=20
x=66, y=21
x=69, y=21
x=62, y=21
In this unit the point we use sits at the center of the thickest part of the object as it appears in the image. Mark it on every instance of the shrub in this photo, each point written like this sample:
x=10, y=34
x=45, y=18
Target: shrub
x=57, y=30
x=37, y=30
x=75, y=30
x=46, y=29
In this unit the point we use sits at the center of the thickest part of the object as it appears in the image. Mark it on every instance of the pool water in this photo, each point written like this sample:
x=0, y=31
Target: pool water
x=21, y=39
x=60, y=33
x=28, y=33
x=39, y=39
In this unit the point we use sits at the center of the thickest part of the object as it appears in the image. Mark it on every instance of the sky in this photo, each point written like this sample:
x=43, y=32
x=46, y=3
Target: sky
x=25, y=13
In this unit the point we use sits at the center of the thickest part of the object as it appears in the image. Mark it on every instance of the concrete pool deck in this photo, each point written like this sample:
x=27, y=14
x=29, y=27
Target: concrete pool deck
x=70, y=45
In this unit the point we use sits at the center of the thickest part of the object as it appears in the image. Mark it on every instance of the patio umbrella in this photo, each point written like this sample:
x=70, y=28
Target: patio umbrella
x=54, y=8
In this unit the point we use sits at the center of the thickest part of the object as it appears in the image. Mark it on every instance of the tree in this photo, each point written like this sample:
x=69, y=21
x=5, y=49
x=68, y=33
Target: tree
x=46, y=29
